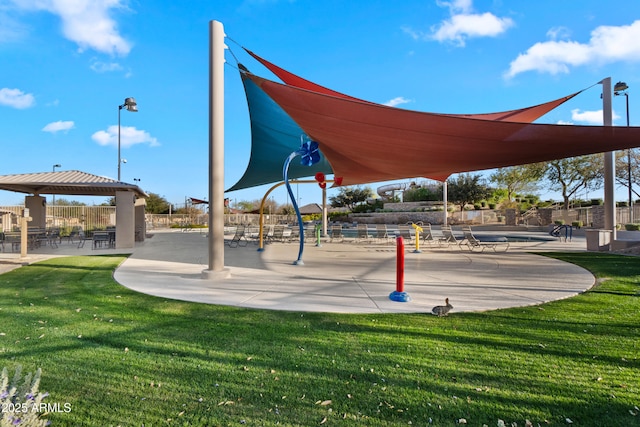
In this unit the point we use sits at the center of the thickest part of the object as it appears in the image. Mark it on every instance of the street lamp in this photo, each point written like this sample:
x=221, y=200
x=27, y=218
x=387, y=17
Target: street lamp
x=57, y=165
x=129, y=105
x=620, y=88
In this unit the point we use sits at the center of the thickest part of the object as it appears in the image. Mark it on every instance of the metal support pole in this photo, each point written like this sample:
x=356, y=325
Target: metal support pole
x=216, y=153
x=609, y=163
x=119, y=159
x=444, y=201
x=630, y=181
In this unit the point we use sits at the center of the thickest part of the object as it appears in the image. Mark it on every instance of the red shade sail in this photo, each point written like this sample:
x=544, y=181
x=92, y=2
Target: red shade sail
x=366, y=142
x=522, y=115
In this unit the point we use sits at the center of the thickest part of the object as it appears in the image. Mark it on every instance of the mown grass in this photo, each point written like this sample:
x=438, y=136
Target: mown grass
x=122, y=358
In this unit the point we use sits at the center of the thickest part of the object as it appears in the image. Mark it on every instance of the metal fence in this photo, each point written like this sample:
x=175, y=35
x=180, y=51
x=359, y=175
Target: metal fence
x=66, y=217
x=100, y=217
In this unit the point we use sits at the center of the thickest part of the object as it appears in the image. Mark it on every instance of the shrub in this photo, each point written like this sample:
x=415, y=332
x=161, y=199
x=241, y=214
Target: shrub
x=559, y=222
x=632, y=227
x=577, y=224
x=20, y=400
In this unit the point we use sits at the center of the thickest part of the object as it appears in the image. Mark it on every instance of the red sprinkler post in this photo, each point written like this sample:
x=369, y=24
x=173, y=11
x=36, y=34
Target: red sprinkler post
x=399, y=294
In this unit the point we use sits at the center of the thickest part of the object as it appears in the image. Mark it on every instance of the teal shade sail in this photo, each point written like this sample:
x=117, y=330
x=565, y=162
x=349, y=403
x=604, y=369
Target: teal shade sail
x=274, y=136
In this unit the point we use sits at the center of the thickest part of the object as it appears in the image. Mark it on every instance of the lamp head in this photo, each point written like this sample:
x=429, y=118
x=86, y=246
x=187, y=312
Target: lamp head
x=57, y=165
x=619, y=87
x=130, y=105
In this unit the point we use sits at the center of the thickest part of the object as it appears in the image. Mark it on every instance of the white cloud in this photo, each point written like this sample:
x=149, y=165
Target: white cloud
x=129, y=136
x=397, y=101
x=590, y=117
x=85, y=22
x=103, y=67
x=16, y=98
x=607, y=44
x=58, y=126
x=464, y=24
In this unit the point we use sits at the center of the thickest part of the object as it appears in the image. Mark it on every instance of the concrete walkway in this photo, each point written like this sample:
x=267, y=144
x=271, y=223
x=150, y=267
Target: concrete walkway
x=345, y=277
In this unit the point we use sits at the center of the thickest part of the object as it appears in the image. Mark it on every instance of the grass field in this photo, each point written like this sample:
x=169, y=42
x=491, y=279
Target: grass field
x=121, y=358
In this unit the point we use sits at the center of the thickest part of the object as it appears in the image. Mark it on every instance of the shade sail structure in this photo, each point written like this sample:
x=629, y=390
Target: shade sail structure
x=366, y=142
x=522, y=115
x=274, y=136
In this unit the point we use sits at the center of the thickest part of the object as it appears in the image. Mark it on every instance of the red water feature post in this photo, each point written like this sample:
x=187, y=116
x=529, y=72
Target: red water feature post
x=399, y=294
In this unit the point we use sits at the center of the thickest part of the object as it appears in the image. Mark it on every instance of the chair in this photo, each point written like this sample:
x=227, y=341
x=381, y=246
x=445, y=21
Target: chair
x=362, y=233
x=310, y=233
x=253, y=233
x=381, y=232
x=427, y=235
x=53, y=236
x=99, y=238
x=267, y=231
x=278, y=233
x=73, y=234
x=14, y=238
x=473, y=243
x=447, y=237
x=239, y=238
x=336, y=232
x=404, y=230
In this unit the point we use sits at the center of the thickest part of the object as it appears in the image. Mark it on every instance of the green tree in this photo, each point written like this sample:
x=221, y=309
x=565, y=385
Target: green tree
x=466, y=189
x=420, y=194
x=622, y=169
x=349, y=197
x=65, y=202
x=518, y=179
x=157, y=204
x=570, y=175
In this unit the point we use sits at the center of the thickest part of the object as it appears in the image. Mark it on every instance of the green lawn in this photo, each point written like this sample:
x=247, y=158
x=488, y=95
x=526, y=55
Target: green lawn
x=122, y=358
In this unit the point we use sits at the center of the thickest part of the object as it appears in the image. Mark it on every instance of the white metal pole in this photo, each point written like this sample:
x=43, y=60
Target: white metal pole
x=444, y=201
x=609, y=164
x=324, y=212
x=119, y=160
x=216, y=152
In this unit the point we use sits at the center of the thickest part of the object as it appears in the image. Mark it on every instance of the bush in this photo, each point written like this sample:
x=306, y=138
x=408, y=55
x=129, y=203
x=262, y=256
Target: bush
x=20, y=400
x=577, y=224
x=559, y=222
x=632, y=227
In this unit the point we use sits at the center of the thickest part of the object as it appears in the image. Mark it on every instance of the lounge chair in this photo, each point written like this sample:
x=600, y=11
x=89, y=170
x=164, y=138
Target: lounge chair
x=447, y=237
x=278, y=233
x=362, y=233
x=404, y=230
x=382, y=232
x=239, y=238
x=336, y=233
x=427, y=235
x=474, y=243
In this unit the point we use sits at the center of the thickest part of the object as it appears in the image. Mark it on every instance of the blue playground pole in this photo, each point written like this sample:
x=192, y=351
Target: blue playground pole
x=285, y=172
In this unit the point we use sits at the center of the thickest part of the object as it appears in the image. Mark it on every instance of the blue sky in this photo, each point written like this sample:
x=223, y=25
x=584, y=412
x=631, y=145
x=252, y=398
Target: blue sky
x=68, y=64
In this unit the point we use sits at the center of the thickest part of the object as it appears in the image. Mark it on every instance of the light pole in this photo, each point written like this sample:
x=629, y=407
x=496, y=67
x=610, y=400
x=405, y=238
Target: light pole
x=621, y=89
x=57, y=165
x=129, y=105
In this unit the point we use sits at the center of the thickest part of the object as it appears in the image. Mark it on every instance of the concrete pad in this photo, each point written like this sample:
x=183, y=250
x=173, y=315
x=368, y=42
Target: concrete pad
x=341, y=277
x=352, y=278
